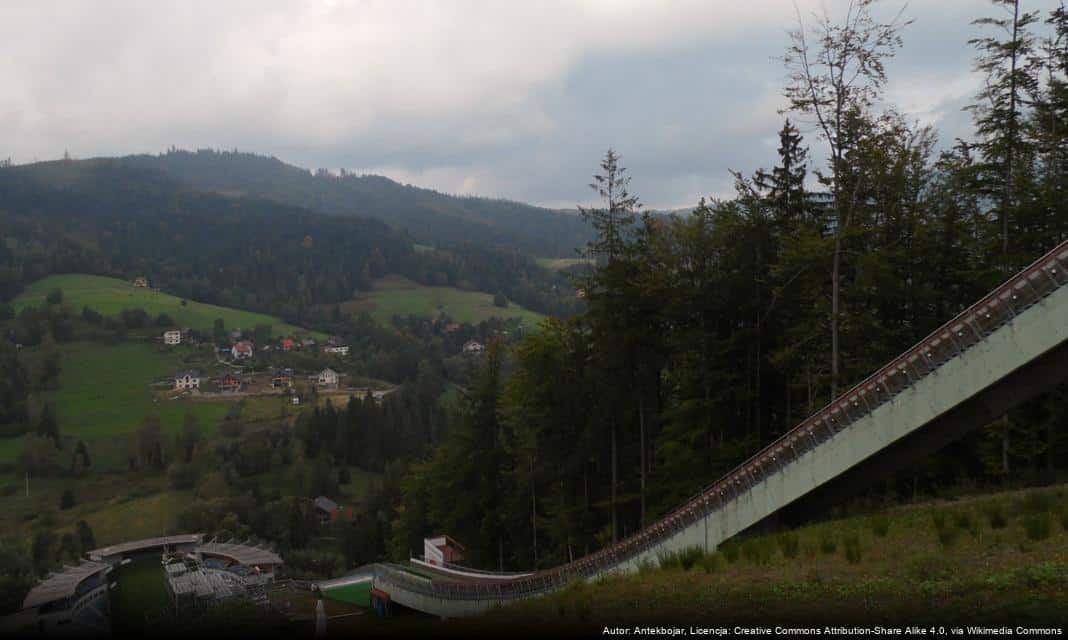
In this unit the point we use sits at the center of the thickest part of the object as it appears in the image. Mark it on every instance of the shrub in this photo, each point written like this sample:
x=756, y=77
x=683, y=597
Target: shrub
x=1037, y=502
x=790, y=544
x=996, y=517
x=963, y=520
x=66, y=501
x=730, y=551
x=684, y=559
x=231, y=428
x=947, y=536
x=828, y=545
x=880, y=526
x=709, y=562
x=851, y=547
x=1037, y=526
x=689, y=557
x=1063, y=517
x=930, y=566
x=757, y=551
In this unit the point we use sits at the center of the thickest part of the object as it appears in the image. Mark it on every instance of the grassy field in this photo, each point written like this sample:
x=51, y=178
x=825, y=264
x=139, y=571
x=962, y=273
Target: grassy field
x=109, y=296
x=1000, y=559
x=559, y=264
x=140, y=590
x=395, y=295
x=104, y=393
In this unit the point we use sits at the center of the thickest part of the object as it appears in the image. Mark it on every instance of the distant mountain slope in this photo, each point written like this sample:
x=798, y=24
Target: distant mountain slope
x=107, y=217
x=428, y=216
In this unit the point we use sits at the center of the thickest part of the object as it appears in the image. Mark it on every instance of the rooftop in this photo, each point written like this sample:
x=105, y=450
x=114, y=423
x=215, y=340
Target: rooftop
x=57, y=586
x=326, y=504
x=147, y=543
x=244, y=553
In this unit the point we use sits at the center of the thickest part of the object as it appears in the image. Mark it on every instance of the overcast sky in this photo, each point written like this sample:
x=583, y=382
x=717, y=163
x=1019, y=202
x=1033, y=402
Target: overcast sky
x=496, y=98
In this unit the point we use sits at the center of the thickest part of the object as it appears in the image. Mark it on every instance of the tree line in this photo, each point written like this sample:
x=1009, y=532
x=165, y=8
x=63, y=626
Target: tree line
x=707, y=335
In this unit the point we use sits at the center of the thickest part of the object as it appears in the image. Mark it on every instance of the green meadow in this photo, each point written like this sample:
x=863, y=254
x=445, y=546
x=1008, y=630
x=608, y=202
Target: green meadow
x=395, y=295
x=106, y=390
x=110, y=296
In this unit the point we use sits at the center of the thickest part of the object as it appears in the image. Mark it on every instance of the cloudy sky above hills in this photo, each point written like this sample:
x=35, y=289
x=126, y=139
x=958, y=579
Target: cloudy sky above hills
x=508, y=99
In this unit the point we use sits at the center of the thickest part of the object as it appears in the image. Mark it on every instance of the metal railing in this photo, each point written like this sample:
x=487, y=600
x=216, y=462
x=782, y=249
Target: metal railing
x=967, y=329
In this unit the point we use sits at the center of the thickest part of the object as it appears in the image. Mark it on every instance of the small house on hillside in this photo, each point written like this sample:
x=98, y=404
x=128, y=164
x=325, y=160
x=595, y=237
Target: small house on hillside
x=282, y=379
x=307, y=343
x=242, y=350
x=187, y=379
x=339, y=349
x=229, y=382
x=473, y=348
x=330, y=511
x=328, y=379
x=441, y=550
x=140, y=281
x=172, y=337
x=287, y=344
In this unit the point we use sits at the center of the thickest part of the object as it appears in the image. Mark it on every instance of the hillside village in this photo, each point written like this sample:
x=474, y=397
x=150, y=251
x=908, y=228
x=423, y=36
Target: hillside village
x=239, y=371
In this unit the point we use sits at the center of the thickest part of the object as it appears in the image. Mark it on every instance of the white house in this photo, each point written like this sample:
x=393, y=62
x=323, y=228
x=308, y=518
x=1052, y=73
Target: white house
x=172, y=337
x=471, y=347
x=187, y=379
x=340, y=349
x=328, y=378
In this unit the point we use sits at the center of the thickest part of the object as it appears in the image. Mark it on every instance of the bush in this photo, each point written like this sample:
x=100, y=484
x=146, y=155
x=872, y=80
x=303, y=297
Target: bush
x=1037, y=502
x=231, y=428
x=1038, y=526
x=963, y=520
x=931, y=566
x=66, y=501
x=758, y=551
x=684, y=559
x=947, y=536
x=182, y=476
x=996, y=517
x=55, y=296
x=709, y=562
x=730, y=551
x=790, y=545
x=1063, y=517
x=851, y=547
x=828, y=545
x=880, y=526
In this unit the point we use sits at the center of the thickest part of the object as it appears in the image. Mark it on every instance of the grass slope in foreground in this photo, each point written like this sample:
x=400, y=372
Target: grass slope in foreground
x=110, y=296
x=985, y=560
x=396, y=295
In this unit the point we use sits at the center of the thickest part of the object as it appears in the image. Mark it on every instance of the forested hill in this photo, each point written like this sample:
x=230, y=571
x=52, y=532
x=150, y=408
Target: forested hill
x=108, y=218
x=429, y=216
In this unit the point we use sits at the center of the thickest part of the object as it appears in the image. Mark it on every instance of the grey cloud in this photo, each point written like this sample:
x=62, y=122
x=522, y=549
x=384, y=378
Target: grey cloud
x=505, y=99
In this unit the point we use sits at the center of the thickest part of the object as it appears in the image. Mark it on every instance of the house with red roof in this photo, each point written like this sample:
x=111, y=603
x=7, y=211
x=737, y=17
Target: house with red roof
x=241, y=350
